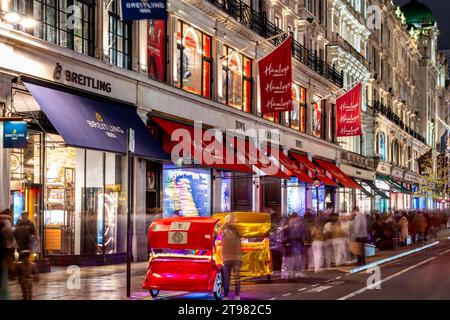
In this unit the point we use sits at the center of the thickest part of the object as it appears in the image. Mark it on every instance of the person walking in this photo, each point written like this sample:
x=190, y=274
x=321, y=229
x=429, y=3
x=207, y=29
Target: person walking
x=24, y=232
x=338, y=241
x=318, y=240
x=231, y=256
x=9, y=241
x=359, y=233
x=296, y=233
x=403, y=230
x=4, y=294
x=27, y=271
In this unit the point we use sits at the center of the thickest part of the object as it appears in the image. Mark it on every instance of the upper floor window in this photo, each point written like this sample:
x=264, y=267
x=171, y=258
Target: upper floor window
x=382, y=149
x=119, y=37
x=194, y=61
x=317, y=112
x=236, y=88
x=296, y=118
x=67, y=23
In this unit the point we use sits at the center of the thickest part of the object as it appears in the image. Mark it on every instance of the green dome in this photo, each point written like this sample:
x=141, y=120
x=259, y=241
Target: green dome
x=418, y=15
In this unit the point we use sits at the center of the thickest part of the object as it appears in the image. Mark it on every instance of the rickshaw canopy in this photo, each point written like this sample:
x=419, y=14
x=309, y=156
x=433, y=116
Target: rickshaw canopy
x=194, y=233
x=249, y=224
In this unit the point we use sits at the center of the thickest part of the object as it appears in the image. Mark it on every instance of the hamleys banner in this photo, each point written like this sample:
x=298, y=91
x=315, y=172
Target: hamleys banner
x=275, y=76
x=348, y=113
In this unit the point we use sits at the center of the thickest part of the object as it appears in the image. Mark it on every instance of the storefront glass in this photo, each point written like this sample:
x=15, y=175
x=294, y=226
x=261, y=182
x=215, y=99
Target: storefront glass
x=296, y=196
x=194, y=60
x=187, y=190
x=318, y=194
x=381, y=204
x=317, y=117
x=225, y=192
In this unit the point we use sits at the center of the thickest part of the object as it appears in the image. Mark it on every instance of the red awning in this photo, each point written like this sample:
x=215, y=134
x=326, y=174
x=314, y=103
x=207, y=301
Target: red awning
x=314, y=169
x=337, y=173
x=257, y=157
x=292, y=166
x=211, y=153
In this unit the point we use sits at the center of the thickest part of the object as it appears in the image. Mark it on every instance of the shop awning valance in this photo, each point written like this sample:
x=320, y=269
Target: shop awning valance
x=255, y=156
x=337, y=173
x=95, y=124
x=212, y=154
x=394, y=185
x=290, y=165
x=316, y=171
x=378, y=191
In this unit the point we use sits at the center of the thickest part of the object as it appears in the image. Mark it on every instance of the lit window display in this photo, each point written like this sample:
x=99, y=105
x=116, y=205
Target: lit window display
x=382, y=205
x=317, y=117
x=82, y=193
x=194, y=61
x=186, y=191
x=296, y=119
x=296, y=197
x=236, y=90
x=225, y=194
x=320, y=194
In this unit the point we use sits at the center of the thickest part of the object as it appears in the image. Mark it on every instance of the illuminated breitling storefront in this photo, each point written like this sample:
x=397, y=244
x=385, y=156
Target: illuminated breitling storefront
x=72, y=176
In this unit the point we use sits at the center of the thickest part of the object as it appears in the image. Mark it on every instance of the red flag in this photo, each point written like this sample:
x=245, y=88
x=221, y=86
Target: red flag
x=275, y=76
x=348, y=113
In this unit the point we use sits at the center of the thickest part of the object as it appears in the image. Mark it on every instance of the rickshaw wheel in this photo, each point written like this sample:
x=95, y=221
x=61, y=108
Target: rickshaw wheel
x=154, y=293
x=218, y=286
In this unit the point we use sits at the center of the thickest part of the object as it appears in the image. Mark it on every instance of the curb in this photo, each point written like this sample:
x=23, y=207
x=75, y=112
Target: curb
x=398, y=256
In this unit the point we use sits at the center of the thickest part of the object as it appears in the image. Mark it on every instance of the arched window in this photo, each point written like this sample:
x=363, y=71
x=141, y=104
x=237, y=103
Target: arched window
x=194, y=62
x=382, y=146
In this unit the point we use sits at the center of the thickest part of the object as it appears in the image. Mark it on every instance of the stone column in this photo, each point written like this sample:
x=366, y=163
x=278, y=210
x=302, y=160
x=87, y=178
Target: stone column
x=5, y=104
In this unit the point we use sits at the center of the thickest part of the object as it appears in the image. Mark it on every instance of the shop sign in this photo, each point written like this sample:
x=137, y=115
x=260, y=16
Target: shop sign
x=357, y=160
x=397, y=173
x=316, y=183
x=412, y=178
x=240, y=126
x=384, y=168
x=14, y=134
x=131, y=141
x=144, y=9
x=80, y=79
x=273, y=135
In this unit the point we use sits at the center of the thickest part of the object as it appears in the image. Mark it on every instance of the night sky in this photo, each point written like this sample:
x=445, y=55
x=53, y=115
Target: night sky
x=441, y=9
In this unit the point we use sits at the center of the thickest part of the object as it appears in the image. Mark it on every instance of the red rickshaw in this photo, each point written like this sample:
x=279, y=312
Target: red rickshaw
x=183, y=256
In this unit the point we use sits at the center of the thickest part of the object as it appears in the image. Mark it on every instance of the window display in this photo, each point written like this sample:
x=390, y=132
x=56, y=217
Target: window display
x=186, y=192
x=296, y=119
x=320, y=193
x=296, y=196
x=317, y=117
x=194, y=61
x=236, y=90
x=225, y=198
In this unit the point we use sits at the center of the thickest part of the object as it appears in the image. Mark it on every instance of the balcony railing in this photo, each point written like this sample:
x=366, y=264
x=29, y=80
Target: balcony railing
x=378, y=107
x=345, y=45
x=258, y=22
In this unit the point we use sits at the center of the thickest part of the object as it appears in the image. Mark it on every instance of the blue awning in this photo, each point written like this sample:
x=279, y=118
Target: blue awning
x=94, y=124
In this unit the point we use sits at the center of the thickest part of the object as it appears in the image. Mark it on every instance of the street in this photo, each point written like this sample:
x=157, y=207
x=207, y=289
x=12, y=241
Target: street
x=419, y=276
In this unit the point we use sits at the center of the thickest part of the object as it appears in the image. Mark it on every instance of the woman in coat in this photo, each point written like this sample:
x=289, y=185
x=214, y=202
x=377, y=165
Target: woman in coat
x=403, y=230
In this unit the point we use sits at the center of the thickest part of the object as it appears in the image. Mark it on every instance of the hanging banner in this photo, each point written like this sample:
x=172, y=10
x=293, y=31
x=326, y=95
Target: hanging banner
x=144, y=9
x=275, y=77
x=156, y=49
x=348, y=113
x=13, y=134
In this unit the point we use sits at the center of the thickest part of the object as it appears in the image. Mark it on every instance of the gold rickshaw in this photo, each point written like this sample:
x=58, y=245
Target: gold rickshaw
x=254, y=229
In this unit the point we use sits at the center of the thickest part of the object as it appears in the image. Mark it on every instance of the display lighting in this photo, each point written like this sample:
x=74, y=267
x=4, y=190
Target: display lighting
x=12, y=17
x=28, y=22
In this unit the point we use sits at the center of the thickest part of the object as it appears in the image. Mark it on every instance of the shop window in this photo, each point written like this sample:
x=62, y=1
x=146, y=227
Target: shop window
x=119, y=37
x=84, y=200
x=296, y=119
x=382, y=146
x=186, y=191
x=317, y=113
x=67, y=23
x=194, y=61
x=236, y=89
x=296, y=197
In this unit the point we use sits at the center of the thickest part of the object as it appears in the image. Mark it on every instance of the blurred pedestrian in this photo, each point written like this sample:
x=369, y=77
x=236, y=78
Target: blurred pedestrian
x=296, y=234
x=231, y=255
x=359, y=233
x=318, y=240
x=403, y=230
x=24, y=232
x=27, y=272
x=286, y=260
x=4, y=294
x=338, y=241
x=10, y=241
